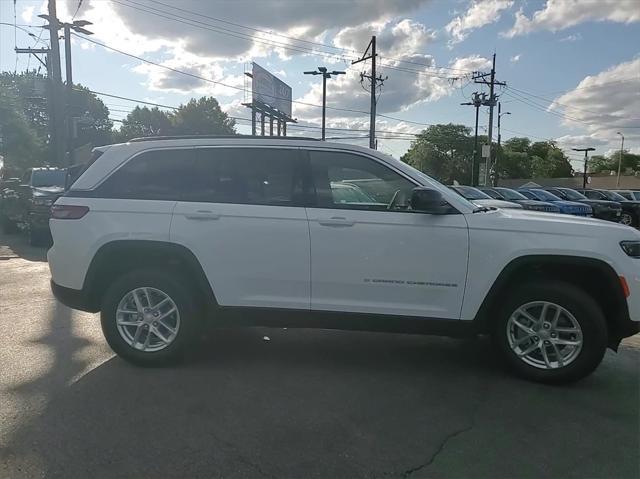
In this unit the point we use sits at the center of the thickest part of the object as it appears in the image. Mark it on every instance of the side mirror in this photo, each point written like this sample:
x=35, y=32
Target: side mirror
x=428, y=200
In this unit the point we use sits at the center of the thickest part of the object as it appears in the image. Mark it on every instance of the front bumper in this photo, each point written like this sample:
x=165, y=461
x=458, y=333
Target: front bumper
x=73, y=298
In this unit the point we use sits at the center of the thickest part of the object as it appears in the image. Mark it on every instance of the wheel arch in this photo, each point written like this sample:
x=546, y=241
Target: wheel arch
x=594, y=276
x=120, y=256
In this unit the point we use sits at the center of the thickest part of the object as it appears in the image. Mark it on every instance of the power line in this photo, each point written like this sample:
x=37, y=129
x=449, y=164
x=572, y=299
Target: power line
x=326, y=45
x=233, y=87
x=250, y=38
x=558, y=103
x=396, y=132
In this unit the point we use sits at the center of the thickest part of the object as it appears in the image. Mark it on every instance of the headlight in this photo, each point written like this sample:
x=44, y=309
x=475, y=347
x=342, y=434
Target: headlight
x=42, y=201
x=632, y=248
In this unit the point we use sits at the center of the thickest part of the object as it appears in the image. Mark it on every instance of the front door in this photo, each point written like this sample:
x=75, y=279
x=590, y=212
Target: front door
x=370, y=253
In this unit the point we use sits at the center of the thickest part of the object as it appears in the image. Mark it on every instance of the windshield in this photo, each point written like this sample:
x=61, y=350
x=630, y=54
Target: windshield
x=636, y=195
x=545, y=195
x=511, y=195
x=48, y=178
x=572, y=194
x=471, y=193
x=613, y=196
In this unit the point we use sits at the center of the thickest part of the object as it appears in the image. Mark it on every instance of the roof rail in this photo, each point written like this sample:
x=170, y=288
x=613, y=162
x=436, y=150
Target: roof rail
x=217, y=137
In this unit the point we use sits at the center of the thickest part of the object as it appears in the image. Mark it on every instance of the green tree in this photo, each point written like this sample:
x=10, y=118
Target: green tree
x=630, y=161
x=202, y=117
x=444, y=152
x=30, y=90
x=145, y=122
x=21, y=146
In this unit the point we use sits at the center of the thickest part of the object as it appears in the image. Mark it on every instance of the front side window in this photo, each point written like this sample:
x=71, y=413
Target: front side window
x=594, y=195
x=346, y=180
x=573, y=195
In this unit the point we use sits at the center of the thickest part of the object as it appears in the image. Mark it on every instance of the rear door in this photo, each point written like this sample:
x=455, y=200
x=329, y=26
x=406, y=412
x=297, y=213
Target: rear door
x=243, y=217
x=370, y=253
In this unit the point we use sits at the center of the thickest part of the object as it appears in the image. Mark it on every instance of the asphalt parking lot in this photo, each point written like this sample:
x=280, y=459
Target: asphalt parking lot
x=302, y=404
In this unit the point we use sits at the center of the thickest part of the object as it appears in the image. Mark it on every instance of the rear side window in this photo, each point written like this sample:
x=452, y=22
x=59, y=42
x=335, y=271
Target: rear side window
x=256, y=176
x=260, y=176
x=152, y=175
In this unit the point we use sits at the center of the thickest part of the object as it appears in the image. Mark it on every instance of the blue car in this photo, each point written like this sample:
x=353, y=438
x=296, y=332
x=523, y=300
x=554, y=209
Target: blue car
x=566, y=207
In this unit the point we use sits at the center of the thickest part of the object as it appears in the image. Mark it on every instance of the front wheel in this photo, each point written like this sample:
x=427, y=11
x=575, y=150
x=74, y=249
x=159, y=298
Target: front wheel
x=628, y=219
x=551, y=332
x=150, y=317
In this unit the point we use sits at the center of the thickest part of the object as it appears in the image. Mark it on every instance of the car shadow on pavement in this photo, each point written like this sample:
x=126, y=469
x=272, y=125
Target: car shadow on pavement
x=300, y=403
x=17, y=245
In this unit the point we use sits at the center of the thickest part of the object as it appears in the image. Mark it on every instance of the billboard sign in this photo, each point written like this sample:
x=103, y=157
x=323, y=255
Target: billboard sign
x=267, y=89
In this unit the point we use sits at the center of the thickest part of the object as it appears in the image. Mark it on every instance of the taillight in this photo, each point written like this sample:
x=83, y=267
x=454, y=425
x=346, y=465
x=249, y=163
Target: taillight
x=68, y=212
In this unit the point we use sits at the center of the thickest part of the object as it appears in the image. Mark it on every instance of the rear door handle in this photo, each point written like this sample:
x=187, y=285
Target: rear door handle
x=202, y=215
x=336, y=221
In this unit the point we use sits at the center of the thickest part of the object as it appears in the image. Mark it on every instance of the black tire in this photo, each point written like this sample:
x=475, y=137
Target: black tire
x=38, y=237
x=178, y=289
x=628, y=219
x=8, y=226
x=584, y=309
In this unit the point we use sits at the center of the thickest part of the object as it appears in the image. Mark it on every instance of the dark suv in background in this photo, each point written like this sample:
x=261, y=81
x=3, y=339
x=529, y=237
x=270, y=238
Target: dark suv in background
x=630, y=209
x=602, y=209
x=25, y=205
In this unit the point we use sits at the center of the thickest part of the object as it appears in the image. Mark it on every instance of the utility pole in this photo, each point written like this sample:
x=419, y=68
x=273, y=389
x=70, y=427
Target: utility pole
x=61, y=121
x=584, y=173
x=477, y=101
x=620, y=159
x=482, y=78
x=500, y=113
x=325, y=75
x=374, y=80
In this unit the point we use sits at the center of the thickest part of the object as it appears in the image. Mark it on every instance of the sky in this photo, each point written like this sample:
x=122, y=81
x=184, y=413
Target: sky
x=571, y=67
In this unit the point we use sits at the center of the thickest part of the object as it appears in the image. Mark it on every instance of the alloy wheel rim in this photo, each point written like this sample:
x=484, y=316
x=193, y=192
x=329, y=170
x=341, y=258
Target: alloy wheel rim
x=147, y=319
x=625, y=219
x=544, y=335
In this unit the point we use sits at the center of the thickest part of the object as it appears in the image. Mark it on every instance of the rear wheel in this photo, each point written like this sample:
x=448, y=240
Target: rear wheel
x=150, y=317
x=38, y=236
x=8, y=226
x=551, y=332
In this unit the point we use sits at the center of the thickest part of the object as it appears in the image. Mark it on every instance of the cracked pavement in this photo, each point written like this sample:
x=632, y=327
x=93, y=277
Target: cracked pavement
x=320, y=404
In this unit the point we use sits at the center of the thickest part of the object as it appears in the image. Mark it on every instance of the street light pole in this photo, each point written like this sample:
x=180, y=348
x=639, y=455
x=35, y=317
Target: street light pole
x=495, y=167
x=620, y=160
x=325, y=75
x=584, y=173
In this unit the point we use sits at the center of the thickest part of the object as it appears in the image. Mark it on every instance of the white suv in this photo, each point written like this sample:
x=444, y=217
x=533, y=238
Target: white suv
x=161, y=234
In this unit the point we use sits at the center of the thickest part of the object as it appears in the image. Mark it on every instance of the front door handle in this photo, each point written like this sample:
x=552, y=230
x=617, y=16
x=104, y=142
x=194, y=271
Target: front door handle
x=336, y=221
x=202, y=215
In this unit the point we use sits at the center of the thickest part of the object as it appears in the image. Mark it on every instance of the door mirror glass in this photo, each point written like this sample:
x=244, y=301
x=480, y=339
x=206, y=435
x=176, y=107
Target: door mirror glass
x=428, y=200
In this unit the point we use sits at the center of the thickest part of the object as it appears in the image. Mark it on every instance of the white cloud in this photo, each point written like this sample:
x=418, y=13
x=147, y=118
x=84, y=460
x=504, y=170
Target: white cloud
x=204, y=34
x=27, y=14
x=605, y=103
x=515, y=58
x=560, y=14
x=578, y=141
x=479, y=14
x=400, y=92
x=393, y=39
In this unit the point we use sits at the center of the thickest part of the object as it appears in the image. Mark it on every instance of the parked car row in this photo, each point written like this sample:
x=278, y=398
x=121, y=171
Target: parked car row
x=622, y=206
